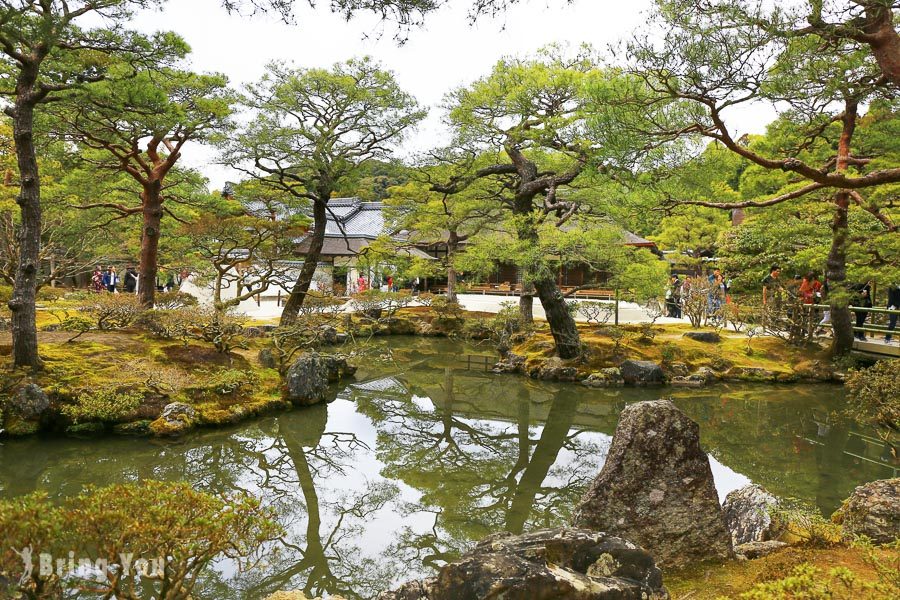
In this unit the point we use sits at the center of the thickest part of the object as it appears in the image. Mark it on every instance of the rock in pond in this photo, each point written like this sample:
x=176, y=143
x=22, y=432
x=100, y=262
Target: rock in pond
x=29, y=402
x=747, y=515
x=872, y=510
x=561, y=563
x=656, y=488
x=608, y=377
x=306, y=381
x=176, y=419
x=642, y=372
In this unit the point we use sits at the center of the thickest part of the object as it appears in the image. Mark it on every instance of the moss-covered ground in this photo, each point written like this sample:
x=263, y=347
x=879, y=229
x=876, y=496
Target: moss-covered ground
x=222, y=388
x=730, y=580
x=761, y=358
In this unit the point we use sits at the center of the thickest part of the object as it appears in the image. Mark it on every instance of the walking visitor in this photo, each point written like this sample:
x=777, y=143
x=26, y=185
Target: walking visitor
x=111, y=280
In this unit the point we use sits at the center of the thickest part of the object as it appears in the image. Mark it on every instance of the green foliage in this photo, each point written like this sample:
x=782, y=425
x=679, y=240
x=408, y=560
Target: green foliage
x=190, y=529
x=106, y=404
x=304, y=114
x=873, y=396
x=806, y=522
x=669, y=352
x=447, y=313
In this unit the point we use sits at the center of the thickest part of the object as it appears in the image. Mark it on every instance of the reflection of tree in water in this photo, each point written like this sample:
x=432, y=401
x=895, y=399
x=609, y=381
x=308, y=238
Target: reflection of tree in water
x=324, y=555
x=288, y=462
x=787, y=439
x=475, y=476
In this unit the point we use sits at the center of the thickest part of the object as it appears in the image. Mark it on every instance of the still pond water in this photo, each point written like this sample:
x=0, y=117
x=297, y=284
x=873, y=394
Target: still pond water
x=425, y=452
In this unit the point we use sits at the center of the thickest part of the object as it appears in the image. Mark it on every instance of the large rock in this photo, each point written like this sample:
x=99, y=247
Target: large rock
x=608, y=377
x=708, y=337
x=656, y=488
x=642, y=372
x=29, y=402
x=177, y=418
x=559, y=564
x=306, y=381
x=753, y=550
x=747, y=515
x=872, y=510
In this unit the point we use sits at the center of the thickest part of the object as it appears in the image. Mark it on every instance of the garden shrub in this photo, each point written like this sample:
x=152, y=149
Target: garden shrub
x=173, y=300
x=104, y=404
x=6, y=292
x=224, y=382
x=189, y=529
x=112, y=311
x=425, y=298
x=805, y=522
x=50, y=294
x=669, y=352
x=224, y=330
x=447, y=313
x=595, y=313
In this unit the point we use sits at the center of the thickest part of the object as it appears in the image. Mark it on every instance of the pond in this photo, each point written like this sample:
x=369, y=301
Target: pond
x=425, y=452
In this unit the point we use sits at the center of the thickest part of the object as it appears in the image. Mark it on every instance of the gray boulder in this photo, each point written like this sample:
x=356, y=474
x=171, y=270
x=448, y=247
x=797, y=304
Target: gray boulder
x=608, y=377
x=306, y=381
x=752, y=550
x=562, y=564
x=267, y=358
x=642, y=372
x=708, y=337
x=872, y=510
x=29, y=402
x=555, y=369
x=411, y=590
x=678, y=369
x=656, y=488
x=747, y=515
x=176, y=418
x=511, y=363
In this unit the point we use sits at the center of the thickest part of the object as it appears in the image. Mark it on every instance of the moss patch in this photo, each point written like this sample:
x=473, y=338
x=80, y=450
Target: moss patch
x=771, y=359
x=710, y=582
x=159, y=370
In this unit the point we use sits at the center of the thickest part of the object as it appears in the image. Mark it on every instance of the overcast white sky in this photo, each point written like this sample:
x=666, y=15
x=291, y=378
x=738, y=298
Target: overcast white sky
x=447, y=52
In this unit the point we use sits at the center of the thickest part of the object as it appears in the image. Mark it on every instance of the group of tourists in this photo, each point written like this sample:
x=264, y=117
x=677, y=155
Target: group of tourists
x=386, y=284
x=716, y=293
x=109, y=280
x=781, y=294
x=811, y=290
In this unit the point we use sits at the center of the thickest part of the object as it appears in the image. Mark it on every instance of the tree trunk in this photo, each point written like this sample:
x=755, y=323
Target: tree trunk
x=152, y=215
x=22, y=302
x=526, y=302
x=452, y=245
x=884, y=41
x=298, y=293
x=562, y=325
x=836, y=271
x=837, y=256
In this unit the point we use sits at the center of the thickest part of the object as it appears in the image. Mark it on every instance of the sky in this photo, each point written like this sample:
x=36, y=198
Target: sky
x=447, y=52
